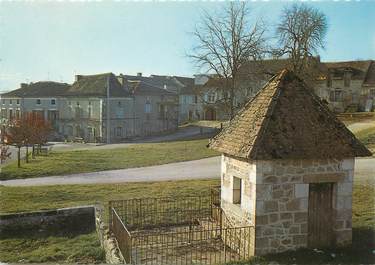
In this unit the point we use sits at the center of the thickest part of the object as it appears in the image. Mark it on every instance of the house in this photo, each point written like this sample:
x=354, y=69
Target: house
x=155, y=109
x=183, y=87
x=345, y=86
x=42, y=97
x=287, y=169
x=95, y=108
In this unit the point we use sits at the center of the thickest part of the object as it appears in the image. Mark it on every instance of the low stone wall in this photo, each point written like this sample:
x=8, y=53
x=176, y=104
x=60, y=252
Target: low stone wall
x=66, y=221
x=107, y=241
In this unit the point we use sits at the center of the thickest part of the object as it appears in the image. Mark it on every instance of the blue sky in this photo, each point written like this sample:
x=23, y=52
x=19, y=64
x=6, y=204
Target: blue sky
x=56, y=40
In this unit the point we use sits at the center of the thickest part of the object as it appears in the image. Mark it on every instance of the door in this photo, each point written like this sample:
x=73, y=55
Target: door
x=210, y=114
x=320, y=215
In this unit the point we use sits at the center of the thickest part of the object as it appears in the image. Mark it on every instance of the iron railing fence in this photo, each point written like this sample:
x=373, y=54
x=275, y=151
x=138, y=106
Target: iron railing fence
x=181, y=231
x=146, y=213
x=123, y=236
x=194, y=245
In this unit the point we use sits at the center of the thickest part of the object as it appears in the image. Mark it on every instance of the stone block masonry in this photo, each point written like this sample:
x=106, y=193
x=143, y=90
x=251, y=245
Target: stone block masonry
x=282, y=212
x=66, y=221
x=275, y=198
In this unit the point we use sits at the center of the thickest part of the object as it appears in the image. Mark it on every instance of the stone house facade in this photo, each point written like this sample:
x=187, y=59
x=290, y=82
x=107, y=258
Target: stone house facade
x=93, y=103
x=348, y=86
x=345, y=86
x=280, y=173
x=182, y=87
x=155, y=109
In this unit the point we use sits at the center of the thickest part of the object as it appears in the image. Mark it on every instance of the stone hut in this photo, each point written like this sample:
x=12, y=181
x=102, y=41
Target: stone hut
x=287, y=169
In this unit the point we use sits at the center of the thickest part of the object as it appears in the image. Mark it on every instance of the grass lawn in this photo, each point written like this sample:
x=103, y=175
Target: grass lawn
x=15, y=199
x=83, y=248
x=367, y=136
x=78, y=249
x=138, y=155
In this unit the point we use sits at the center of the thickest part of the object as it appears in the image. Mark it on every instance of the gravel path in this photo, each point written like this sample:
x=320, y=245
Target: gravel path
x=359, y=126
x=196, y=169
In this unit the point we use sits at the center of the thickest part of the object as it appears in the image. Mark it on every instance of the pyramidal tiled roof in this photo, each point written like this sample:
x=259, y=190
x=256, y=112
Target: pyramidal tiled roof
x=286, y=120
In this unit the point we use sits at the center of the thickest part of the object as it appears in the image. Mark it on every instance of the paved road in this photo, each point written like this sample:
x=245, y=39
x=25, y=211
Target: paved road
x=196, y=169
x=359, y=126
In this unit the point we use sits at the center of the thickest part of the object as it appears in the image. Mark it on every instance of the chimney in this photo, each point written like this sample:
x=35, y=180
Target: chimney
x=121, y=79
x=78, y=77
x=139, y=74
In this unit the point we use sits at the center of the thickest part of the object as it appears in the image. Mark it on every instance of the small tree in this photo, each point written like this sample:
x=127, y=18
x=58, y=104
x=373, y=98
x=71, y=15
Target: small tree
x=301, y=33
x=16, y=135
x=41, y=130
x=224, y=43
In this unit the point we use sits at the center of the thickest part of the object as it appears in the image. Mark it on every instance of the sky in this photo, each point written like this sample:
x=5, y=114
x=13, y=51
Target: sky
x=42, y=41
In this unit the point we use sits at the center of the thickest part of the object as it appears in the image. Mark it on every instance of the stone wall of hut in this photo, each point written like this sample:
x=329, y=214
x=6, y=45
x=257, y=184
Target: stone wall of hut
x=275, y=199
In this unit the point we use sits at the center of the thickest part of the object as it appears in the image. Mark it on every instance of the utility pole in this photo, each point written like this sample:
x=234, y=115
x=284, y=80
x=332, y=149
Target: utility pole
x=108, y=114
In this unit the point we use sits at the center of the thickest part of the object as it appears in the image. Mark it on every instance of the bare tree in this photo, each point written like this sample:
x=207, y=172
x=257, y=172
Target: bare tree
x=301, y=33
x=224, y=43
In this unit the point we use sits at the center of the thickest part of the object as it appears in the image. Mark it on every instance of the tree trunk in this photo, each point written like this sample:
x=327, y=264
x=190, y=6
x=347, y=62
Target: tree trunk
x=231, y=103
x=19, y=157
x=33, y=152
x=27, y=154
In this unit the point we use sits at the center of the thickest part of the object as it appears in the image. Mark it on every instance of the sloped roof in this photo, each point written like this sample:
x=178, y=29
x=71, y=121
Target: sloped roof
x=286, y=120
x=144, y=88
x=175, y=84
x=188, y=82
x=358, y=68
x=96, y=85
x=39, y=89
x=370, y=76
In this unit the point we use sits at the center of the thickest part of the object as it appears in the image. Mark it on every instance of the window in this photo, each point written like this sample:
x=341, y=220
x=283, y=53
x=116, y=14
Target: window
x=372, y=93
x=10, y=101
x=329, y=80
x=336, y=95
x=38, y=101
x=237, y=190
x=18, y=114
x=18, y=101
x=3, y=113
x=119, y=131
x=3, y=101
x=347, y=79
x=211, y=97
x=53, y=101
x=195, y=99
x=148, y=107
x=89, y=112
x=78, y=112
x=10, y=114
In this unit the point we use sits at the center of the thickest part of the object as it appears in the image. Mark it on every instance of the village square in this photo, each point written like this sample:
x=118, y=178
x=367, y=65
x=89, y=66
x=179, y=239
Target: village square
x=187, y=133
